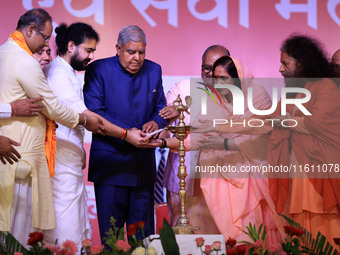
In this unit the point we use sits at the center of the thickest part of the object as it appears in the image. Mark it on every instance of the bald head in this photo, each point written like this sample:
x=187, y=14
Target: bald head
x=336, y=57
x=336, y=62
x=217, y=49
x=209, y=57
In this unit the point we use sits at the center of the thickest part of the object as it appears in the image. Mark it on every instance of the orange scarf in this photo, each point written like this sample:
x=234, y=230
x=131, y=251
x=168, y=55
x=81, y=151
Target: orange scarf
x=50, y=138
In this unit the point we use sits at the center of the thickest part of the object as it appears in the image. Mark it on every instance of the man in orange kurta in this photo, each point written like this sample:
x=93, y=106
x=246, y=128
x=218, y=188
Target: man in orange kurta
x=312, y=199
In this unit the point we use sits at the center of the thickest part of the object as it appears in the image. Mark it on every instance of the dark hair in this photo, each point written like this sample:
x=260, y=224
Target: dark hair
x=215, y=48
x=309, y=53
x=229, y=66
x=36, y=17
x=76, y=32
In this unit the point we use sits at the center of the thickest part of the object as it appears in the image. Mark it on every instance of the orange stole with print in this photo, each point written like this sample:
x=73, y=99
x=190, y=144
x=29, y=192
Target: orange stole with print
x=50, y=137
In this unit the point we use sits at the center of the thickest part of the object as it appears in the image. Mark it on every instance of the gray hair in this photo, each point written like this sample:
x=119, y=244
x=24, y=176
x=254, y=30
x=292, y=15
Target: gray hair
x=131, y=33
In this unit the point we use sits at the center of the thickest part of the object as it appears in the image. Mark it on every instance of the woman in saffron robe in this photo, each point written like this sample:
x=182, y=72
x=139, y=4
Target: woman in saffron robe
x=231, y=203
x=236, y=199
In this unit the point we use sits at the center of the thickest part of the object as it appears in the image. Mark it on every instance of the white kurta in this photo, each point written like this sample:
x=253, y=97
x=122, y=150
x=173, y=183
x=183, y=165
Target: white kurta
x=68, y=186
x=21, y=77
x=5, y=111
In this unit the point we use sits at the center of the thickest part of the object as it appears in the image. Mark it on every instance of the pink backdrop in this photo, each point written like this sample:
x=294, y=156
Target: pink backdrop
x=178, y=31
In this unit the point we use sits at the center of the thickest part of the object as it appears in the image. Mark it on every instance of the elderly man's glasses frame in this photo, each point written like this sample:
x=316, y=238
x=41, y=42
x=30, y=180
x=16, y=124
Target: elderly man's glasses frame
x=206, y=68
x=44, y=36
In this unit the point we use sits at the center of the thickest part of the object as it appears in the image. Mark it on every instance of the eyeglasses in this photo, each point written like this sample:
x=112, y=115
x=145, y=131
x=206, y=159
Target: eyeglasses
x=206, y=68
x=44, y=36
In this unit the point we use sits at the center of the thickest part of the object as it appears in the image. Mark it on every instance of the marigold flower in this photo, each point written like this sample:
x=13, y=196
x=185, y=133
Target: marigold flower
x=132, y=228
x=96, y=249
x=199, y=241
x=231, y=242
x=217, y=245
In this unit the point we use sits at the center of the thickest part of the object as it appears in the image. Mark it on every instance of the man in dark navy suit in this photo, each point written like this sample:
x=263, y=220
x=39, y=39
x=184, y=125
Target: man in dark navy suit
x=127, y=90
